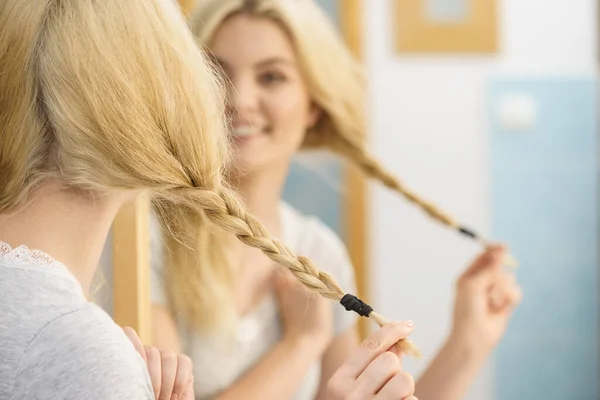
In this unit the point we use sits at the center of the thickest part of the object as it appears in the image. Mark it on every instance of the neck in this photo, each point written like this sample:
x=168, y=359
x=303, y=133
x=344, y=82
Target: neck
x=261, y=191
x=70, y=227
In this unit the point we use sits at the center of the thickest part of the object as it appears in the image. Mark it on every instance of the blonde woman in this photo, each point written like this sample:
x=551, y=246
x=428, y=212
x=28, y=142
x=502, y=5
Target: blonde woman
x=251, y=333
x=101, y=101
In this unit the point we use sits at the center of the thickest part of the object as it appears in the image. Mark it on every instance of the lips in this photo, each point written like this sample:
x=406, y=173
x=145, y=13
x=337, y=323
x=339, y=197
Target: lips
x=244, y=132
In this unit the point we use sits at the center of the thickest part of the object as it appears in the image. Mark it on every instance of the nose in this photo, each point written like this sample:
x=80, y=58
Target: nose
x=243, y=96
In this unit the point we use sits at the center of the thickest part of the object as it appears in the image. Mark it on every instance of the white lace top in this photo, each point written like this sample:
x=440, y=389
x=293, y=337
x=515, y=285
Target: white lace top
x=23, y=255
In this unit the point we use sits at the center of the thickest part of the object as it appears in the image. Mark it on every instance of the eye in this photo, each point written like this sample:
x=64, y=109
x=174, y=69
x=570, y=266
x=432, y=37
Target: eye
x=271, y=78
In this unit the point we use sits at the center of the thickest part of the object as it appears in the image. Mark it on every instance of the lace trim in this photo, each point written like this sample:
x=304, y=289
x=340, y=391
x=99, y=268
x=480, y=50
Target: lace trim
x=23, y=254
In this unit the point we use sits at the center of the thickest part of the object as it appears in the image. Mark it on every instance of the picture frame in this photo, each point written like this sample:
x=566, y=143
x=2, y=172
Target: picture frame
x=421, y=26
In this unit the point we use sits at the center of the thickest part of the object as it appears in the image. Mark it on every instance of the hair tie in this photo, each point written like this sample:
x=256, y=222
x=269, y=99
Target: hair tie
x=353, y=303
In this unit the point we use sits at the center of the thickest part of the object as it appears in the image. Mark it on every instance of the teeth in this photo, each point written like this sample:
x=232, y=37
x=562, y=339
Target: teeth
x=243, y=131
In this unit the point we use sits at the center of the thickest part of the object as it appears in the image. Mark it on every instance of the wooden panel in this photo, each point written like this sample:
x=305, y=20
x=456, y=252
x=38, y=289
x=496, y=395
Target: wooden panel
x=131, y=267
x=355, y=215
x=187, y=6
x=416, y=33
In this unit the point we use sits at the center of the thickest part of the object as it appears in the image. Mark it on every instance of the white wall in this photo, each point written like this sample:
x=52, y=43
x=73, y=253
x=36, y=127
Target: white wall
x=428, y=125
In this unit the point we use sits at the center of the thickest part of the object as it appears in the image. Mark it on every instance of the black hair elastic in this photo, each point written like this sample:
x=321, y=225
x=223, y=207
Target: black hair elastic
x=353, y=303
x=467, y=232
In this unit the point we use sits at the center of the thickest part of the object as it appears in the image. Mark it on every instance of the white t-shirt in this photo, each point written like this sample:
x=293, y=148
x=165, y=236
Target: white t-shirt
x=54, y=344
x=217, y=367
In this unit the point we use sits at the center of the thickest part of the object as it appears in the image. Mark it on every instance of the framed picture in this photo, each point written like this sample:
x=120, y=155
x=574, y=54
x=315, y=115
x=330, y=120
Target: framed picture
x=445, y=26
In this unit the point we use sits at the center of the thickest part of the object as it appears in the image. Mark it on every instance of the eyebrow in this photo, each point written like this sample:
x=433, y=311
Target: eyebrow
x=264, y=63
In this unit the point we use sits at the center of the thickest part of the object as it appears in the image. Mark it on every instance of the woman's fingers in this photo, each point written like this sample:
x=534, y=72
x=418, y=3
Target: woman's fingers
x=377, y=374
x=401, y=386
x=135, y=340
x=184, y=375
x=375, y=345
x=154, y=369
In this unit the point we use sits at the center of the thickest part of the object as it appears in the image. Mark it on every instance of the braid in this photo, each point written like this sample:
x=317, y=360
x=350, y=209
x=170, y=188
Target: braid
x=224, y=210
x=353, y=150
x=373, y=168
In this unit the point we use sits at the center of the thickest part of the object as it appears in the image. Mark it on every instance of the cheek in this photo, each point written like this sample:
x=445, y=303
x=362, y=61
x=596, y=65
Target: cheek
x=288, y=115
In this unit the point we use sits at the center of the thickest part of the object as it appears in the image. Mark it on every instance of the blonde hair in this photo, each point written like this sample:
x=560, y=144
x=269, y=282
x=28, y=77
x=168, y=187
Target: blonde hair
x=115, y=94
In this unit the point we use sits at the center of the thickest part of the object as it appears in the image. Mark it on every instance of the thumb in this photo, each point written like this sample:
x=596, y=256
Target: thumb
x=484, y=258
x=484, y=269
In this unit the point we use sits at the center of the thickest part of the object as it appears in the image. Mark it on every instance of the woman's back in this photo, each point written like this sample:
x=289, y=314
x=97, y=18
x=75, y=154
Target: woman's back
x=55, y=343
x=99, y=100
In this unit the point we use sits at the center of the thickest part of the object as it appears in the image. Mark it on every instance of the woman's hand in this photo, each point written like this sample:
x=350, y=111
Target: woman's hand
x=171, y=374
x=374, y=371
x=305, y=315
x=485, y=299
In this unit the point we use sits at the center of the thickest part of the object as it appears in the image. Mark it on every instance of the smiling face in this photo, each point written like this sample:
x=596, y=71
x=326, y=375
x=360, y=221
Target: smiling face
x=271, y=106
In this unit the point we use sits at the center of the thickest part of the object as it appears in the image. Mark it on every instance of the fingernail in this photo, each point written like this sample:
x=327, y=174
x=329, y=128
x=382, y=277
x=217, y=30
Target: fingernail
x=410, y=324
